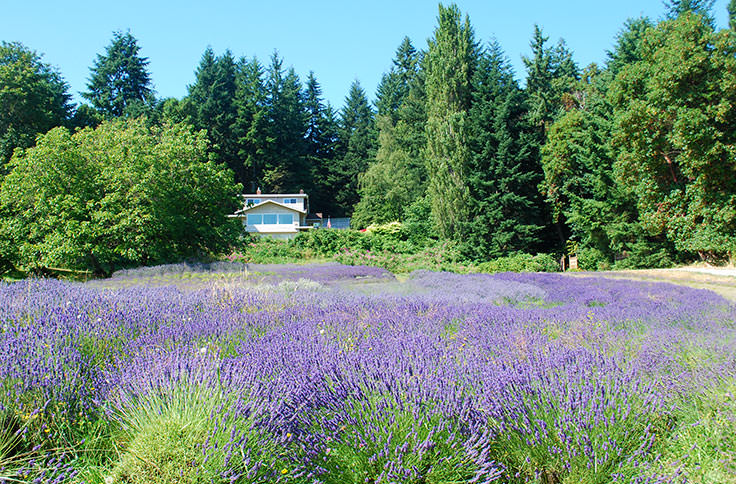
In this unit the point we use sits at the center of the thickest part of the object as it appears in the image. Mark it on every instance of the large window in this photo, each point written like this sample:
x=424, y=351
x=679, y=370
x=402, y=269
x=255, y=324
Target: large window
x=270, y=219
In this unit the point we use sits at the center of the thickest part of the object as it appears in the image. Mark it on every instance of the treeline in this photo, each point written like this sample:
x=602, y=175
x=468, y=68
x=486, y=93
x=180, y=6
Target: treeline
x=631, y=161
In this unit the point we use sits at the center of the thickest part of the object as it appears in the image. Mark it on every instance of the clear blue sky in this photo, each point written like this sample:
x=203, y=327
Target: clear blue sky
x=340, y=40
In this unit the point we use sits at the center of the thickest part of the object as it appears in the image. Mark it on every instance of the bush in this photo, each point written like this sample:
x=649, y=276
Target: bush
x=521, y=262
x=120, y=195
x=590, y=259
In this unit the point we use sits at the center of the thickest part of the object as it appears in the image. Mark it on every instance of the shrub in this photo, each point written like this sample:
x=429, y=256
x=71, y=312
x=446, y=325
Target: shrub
x=521, y=262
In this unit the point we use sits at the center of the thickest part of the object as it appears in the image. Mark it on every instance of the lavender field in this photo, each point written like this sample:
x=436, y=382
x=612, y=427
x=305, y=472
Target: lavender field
x=341, y=374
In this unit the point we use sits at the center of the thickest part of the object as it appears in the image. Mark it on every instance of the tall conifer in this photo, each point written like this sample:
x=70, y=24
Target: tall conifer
x=450, y=63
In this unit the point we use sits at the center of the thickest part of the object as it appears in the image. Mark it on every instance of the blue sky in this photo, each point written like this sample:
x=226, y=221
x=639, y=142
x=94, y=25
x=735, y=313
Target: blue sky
x=340, y=40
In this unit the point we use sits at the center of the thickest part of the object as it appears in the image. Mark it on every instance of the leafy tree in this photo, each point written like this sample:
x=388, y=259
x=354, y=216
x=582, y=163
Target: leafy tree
x=450, y=63
x=675, y=134
x=732, y=14
x=356, y=145
x=551, y=76
x=501, y=212
x=33, y=98
x=119, y=80
x=122, y=194
x=397, y=176
x=286, y=167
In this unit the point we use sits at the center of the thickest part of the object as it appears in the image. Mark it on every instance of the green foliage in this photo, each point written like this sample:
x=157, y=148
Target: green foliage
x=675, y=144
x=212, y=107
x=356, y=146
x=449, y=65
x=520, y=262
x=119, y=81
x=700, y=447
x=502, y=218
x=285, y=162
x=397, y=176
x=33, y=98
x=122, y=194
x=164, y=433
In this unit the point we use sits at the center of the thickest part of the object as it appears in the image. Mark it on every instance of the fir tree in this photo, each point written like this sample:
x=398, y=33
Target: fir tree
x=675, y=8
x=501, y=211
x=355, y=148
x=119, y=79
x=628, y=43
x=397, y=176
x=212, y=106
x=321, y=137
x=252, y=121
x=286, y=166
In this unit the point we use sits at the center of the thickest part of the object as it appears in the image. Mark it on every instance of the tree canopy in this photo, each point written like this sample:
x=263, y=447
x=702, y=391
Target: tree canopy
x=33, y=98
x=119, y=195
x=119, y=80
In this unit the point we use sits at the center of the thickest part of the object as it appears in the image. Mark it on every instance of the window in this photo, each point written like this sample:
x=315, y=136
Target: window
x=286, y=218
x=252, y=201
x=290, y=200
x=269, y=219
x=255, y=218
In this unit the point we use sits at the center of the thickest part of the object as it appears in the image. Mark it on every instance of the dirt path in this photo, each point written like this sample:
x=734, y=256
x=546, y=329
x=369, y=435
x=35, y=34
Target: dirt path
x=719, y=280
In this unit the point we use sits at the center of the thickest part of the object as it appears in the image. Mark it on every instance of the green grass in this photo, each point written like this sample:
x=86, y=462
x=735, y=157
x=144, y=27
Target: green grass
x=702, y=445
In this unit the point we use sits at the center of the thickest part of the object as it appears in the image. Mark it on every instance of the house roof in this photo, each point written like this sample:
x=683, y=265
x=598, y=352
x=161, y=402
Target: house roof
x=244, y=210
x=274, y=195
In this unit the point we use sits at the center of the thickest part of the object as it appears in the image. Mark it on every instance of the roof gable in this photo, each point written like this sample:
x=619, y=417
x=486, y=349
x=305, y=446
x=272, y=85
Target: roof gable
x=265, y=202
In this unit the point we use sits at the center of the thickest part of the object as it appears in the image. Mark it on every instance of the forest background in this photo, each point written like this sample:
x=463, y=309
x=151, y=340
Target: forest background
x=627, y=164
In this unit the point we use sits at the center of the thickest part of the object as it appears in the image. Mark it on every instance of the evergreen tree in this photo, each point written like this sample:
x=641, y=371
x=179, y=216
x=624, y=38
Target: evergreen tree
x=119, y=79
x=551, y=75
x=675, y=8
x=395, y=84
x=397, y=176
x=628, y=44
x=252, y=122
x=212, y=108
x=33, y=98
x=356, y=146
x=321, y=137
x=501, y=212
x=450, y=63
x=286, y=166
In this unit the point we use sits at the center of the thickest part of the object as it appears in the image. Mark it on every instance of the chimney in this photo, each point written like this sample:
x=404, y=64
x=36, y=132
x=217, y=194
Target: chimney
x=258, y=192
x=301, y=191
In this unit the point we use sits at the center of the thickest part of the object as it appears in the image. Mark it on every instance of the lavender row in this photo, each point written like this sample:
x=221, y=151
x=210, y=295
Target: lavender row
x=440, y=378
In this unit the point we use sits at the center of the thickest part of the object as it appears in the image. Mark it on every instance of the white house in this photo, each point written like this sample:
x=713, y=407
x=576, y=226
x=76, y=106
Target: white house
x=280, y=216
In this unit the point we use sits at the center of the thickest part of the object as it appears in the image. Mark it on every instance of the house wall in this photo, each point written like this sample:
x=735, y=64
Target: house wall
x=274, y=230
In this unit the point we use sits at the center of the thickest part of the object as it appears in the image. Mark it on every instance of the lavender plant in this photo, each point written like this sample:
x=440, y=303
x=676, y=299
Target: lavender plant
x=343, y=374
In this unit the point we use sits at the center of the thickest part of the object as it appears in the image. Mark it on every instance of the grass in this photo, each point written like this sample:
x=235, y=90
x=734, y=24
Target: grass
x=702, y=445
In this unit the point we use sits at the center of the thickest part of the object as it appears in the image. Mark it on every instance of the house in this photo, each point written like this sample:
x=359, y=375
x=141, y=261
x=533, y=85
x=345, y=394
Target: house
x=280, y=216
